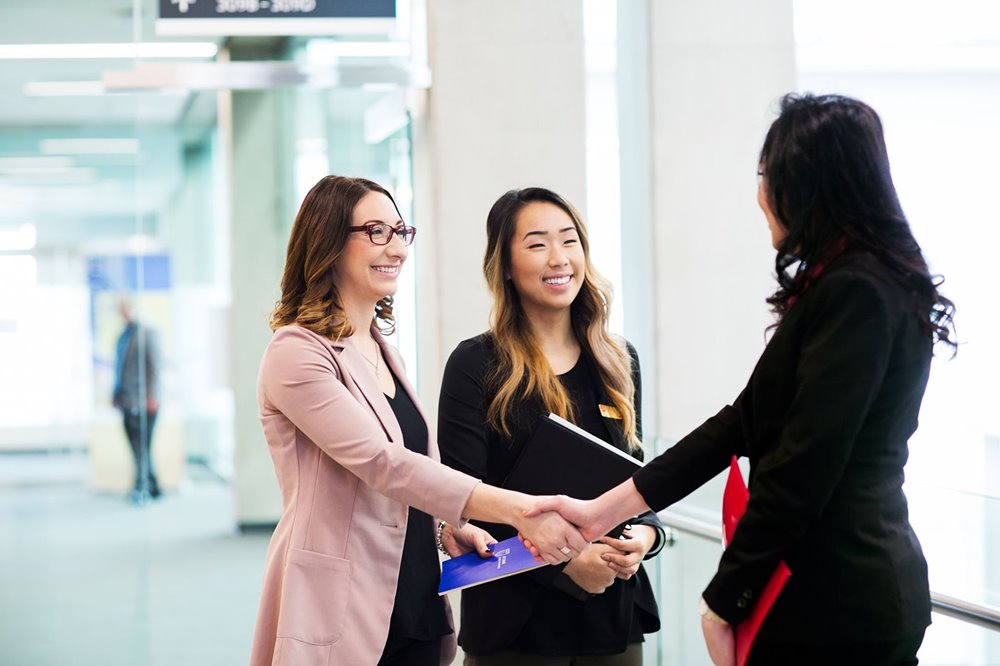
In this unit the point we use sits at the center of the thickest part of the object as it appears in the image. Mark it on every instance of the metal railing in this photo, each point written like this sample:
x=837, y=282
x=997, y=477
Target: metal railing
x=983, y=616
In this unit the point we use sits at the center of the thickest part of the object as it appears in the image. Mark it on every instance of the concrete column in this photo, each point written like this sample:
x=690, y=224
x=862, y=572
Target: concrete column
x=717, y=69
x=261, y=170
x=506, y=109
x=639, y=265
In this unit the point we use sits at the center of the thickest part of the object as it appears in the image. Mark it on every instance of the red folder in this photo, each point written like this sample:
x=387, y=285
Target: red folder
x=734, y=505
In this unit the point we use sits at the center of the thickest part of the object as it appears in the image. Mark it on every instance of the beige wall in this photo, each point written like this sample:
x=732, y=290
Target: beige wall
x=506, y=110
x=717, y=69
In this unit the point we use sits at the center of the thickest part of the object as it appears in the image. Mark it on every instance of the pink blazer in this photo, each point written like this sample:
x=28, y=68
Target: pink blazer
x=346, y=482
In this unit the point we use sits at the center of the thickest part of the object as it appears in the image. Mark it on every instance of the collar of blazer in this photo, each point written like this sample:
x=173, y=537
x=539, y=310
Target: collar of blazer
x=355, y=366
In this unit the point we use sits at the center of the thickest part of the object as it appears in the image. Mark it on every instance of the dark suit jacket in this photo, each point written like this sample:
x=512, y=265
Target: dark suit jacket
x=139, y=365
x=493, y=615
x=825, y=420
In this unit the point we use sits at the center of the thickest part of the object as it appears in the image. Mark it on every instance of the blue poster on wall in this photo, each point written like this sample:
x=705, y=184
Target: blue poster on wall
x=129, y=272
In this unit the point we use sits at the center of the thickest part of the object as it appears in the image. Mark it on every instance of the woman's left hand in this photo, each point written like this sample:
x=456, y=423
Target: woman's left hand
x=720, y=641
x=465, y=540
x=629, y=552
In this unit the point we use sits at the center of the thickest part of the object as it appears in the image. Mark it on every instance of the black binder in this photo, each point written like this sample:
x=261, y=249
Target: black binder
x=560, y=458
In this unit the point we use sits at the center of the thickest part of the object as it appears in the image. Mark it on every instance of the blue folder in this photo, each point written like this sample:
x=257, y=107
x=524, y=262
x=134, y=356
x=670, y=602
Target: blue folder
x=509, y=557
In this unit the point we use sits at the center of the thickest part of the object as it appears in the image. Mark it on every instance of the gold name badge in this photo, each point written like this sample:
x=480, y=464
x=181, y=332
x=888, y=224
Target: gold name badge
x=610, y=412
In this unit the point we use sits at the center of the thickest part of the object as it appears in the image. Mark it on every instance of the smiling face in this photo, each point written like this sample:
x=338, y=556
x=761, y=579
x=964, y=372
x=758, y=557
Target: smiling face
x=547, y=263
x=366, y=272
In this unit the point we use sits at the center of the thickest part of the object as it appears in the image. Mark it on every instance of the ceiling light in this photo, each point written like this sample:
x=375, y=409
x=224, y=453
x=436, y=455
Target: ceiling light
x=89, y=146
x=324, y=51
x=63, y=88
x=50, y=175
x=110, y=50
x=268, y=27
x=34, y=162
x=18, y=239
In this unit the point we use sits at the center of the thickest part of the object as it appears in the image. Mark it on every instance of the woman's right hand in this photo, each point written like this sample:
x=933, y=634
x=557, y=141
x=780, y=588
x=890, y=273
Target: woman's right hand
x=590, y=571
x=553, y=538
x=581, y=513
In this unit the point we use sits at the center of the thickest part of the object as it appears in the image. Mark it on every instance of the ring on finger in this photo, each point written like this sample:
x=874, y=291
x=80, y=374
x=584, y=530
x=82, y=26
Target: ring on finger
x=565, y=550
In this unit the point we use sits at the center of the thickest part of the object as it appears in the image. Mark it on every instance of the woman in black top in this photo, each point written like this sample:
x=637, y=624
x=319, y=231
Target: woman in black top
x=548, y=351
x=826, y=415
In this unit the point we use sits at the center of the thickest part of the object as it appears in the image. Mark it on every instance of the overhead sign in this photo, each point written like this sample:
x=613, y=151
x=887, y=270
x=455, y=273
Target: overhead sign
x=275, y=17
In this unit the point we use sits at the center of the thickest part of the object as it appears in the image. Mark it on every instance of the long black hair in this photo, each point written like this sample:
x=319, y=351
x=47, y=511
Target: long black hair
x=827, y=181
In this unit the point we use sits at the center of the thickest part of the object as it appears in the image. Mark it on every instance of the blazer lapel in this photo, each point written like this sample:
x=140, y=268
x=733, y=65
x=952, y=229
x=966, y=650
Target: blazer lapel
x=355, y=365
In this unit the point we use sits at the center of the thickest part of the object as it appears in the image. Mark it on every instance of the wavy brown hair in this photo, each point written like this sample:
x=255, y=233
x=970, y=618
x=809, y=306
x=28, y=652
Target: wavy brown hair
x=522, y=372
x=309, y=294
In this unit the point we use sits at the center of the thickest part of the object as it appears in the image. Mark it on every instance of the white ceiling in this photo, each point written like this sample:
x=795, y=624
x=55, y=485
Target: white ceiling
x=96, y=187
x=78, y=21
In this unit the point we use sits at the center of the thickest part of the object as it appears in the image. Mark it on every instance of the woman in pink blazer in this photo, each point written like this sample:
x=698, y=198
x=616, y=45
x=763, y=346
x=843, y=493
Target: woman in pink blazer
x=351, y=574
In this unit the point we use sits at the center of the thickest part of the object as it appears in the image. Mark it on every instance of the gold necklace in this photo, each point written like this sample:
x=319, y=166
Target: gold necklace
x=374, y=364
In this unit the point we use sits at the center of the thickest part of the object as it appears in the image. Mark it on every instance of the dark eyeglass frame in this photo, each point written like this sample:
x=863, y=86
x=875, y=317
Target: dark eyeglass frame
x=406, y=233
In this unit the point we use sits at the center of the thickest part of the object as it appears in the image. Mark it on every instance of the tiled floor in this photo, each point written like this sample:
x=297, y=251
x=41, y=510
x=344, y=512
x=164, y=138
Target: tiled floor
x=89, y=579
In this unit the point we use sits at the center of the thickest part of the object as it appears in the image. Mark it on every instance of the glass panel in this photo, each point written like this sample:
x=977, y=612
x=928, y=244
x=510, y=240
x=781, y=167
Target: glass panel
x=364, y=133
x=603, y=171
x=127, y=196
x=958, y=532
x=935, y=82
x=680, y=573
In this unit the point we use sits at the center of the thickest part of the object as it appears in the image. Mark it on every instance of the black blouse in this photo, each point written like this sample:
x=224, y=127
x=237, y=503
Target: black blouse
x=418, y=613
x=542, y=611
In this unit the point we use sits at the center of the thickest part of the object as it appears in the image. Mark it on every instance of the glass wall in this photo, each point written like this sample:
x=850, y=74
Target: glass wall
x=118, y=242
x=935, y=80
x=933, y=74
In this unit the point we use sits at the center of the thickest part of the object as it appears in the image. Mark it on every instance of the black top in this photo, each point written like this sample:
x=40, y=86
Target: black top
x=542, y=611
x=418, y=613
x=825, y=420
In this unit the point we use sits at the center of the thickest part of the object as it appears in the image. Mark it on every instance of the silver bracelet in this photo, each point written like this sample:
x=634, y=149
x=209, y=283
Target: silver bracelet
x=440, y=531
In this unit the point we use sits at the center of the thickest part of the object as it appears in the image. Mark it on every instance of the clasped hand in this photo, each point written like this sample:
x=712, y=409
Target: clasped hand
x=552, y=537
x=549, y=526
x=608, y=558
x=578, y=512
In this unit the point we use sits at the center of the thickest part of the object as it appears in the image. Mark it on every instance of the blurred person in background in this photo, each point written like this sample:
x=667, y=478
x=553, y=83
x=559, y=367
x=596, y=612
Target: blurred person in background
x=136, y=395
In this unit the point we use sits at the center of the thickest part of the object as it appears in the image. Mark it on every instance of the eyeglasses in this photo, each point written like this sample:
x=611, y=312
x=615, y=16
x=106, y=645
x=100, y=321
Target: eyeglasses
x=381, y=233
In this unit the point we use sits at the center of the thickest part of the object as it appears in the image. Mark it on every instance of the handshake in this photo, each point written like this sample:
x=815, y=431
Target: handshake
x=557, y=528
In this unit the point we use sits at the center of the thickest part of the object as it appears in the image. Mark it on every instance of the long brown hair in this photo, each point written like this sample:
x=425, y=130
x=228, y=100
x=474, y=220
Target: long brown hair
x=309, y=295
x=522, y=371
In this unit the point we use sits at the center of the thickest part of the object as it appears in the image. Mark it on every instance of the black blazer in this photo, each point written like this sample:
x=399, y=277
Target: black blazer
x=494, y=615
x=825, y=420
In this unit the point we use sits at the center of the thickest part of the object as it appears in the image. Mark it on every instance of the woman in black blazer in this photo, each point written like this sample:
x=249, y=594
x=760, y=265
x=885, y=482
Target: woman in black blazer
x=548, y=350
x=826, y=415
